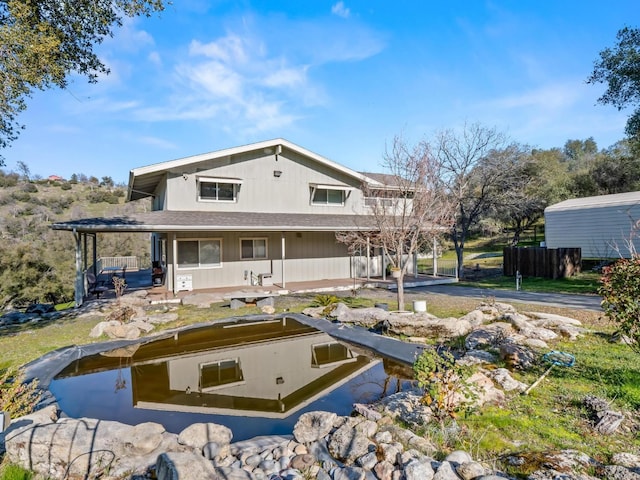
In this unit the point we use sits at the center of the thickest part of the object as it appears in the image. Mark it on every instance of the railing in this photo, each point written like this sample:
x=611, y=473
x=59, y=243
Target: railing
x=130, y=262
x=444, y=268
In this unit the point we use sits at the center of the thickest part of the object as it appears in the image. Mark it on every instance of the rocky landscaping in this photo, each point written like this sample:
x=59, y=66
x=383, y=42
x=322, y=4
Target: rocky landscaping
x=379, y=441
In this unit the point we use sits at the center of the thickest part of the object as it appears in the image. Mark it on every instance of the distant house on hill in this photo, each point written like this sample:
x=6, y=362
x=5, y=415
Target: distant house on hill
x=55, y=178
x=602, y=226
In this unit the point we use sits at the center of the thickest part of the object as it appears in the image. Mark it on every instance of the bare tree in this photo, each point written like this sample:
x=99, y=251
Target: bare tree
x=407, y=212
x=479, y=167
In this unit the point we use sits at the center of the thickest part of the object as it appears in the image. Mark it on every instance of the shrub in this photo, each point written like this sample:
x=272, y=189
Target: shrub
x=16, y=397
x=11, y=471
x=620, y=290
x=29, y=188
x=324, y=300
x=444, y=382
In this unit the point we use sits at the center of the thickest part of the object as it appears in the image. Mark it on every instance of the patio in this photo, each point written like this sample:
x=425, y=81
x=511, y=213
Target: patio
x=141, y=280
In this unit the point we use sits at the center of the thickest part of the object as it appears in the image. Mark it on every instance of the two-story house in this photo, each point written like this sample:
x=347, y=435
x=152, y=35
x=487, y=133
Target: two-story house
x=260, y=213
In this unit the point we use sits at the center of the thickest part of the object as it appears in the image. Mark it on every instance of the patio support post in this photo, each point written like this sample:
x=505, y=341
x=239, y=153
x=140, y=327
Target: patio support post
x=174, y=260
x=79, y=284
x=283, y=257
x=435, y=257
x=368, y=258
x=95, y=254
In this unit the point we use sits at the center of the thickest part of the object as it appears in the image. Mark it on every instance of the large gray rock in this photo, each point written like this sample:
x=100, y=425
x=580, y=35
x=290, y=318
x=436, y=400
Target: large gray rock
x=425, y=325
x=446, y=471
x=503, y=377
x=352, y=440
x=418, y=470
x=85, y=447
x=198, y=435
x=201, y=300
x=408, y=407
x=476, y=318
x=183, y=465
x=550, y=320
x=488, y=335
x=361, y=316
x=618, y=472
x=517, y=356
x=312, y=426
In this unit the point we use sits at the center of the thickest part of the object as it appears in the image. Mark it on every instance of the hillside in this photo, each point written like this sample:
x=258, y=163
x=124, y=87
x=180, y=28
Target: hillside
x=36, y=262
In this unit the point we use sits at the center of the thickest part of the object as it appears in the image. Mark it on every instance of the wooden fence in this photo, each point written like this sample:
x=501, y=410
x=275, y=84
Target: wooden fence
x=542, y=262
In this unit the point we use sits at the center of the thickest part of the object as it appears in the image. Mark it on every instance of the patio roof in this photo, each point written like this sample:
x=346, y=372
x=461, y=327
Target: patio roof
x=164, y=221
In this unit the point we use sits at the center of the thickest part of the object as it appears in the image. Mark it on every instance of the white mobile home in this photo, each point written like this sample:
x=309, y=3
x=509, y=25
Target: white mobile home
x=602, y=226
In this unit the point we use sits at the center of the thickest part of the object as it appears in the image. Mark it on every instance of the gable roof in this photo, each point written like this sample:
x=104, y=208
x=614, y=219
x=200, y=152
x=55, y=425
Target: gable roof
x=144, y=180
x=614, y=200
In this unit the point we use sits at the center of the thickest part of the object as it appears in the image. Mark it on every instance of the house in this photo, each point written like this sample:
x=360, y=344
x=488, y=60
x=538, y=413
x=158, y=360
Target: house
x=602, y=226
x=264, y=213
x=55, y=178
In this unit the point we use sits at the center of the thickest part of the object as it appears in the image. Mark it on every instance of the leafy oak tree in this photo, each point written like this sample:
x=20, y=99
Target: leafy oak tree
x=619, y=69
x=43, y=42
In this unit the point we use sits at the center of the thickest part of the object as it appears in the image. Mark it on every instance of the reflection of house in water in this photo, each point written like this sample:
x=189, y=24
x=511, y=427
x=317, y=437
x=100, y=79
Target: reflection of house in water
x=267, y=368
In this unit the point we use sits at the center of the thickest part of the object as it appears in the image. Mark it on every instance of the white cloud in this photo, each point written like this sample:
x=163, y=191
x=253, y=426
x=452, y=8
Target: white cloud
x=154, y=57
x=157, y=142
x=340, y=10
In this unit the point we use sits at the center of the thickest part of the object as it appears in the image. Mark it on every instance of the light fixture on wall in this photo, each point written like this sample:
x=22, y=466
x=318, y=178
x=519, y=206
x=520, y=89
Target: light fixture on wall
x=277, y=173
x=185, y=176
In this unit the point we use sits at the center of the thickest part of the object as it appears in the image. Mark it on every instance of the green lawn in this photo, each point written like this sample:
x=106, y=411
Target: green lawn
x=583, y=283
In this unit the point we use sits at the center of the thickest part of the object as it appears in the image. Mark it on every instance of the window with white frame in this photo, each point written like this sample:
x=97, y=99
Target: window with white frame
x=325, y=196
x=220, y=373
x=334, y=353
x=199, y=253
x=253, y=248
x=218, y=189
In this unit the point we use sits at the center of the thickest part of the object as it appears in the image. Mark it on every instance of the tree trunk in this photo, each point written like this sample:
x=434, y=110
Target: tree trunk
x=400, y=283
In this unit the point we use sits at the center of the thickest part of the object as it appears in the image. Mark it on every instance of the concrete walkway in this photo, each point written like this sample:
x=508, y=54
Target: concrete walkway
x=587, y=302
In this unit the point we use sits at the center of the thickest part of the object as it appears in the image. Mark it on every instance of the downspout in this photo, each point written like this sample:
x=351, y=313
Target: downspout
x=79, y=284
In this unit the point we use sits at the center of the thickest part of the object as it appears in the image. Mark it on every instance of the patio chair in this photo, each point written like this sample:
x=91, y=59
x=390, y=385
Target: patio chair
x=95, y=286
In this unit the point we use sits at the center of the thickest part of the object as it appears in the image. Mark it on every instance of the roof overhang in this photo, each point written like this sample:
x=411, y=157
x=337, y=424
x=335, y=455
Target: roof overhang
x=196, y=221
x=143, y=181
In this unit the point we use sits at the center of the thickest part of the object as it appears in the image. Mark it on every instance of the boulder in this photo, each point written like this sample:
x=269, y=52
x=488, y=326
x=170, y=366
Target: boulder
x=425, y=325
x=201, y=300
x=351, y=440
x=488, y=335
x=517, y=356
x=181, y=465
x=503, y=378
x=312, y=426
x=198, y=435
x=362, y=316
x=162, y=318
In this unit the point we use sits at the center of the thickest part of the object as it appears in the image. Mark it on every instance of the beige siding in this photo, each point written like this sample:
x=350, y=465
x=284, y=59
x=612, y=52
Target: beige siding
x=308, y=256
x=261, y=191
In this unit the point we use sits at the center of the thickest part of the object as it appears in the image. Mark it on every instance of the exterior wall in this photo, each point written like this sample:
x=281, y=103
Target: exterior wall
x=308, y=256
x=260, y=190
x=601, y=232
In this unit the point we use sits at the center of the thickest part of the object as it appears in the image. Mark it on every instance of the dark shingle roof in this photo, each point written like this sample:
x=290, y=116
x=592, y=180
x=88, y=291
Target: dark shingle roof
x=217, y=221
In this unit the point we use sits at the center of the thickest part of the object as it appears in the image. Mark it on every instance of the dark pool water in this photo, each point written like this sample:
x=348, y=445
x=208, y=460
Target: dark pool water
x=257, y=378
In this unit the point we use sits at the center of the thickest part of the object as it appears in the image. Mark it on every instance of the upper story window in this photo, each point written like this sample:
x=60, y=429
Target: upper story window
x=329, y=194
x=218, y=189
x=253, y=248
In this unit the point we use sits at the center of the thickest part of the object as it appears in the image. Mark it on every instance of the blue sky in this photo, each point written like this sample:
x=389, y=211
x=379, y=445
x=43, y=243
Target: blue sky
x=340, y=78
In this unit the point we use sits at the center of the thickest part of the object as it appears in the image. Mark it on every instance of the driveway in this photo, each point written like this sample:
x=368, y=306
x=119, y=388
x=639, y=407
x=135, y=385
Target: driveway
x=587, y=302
